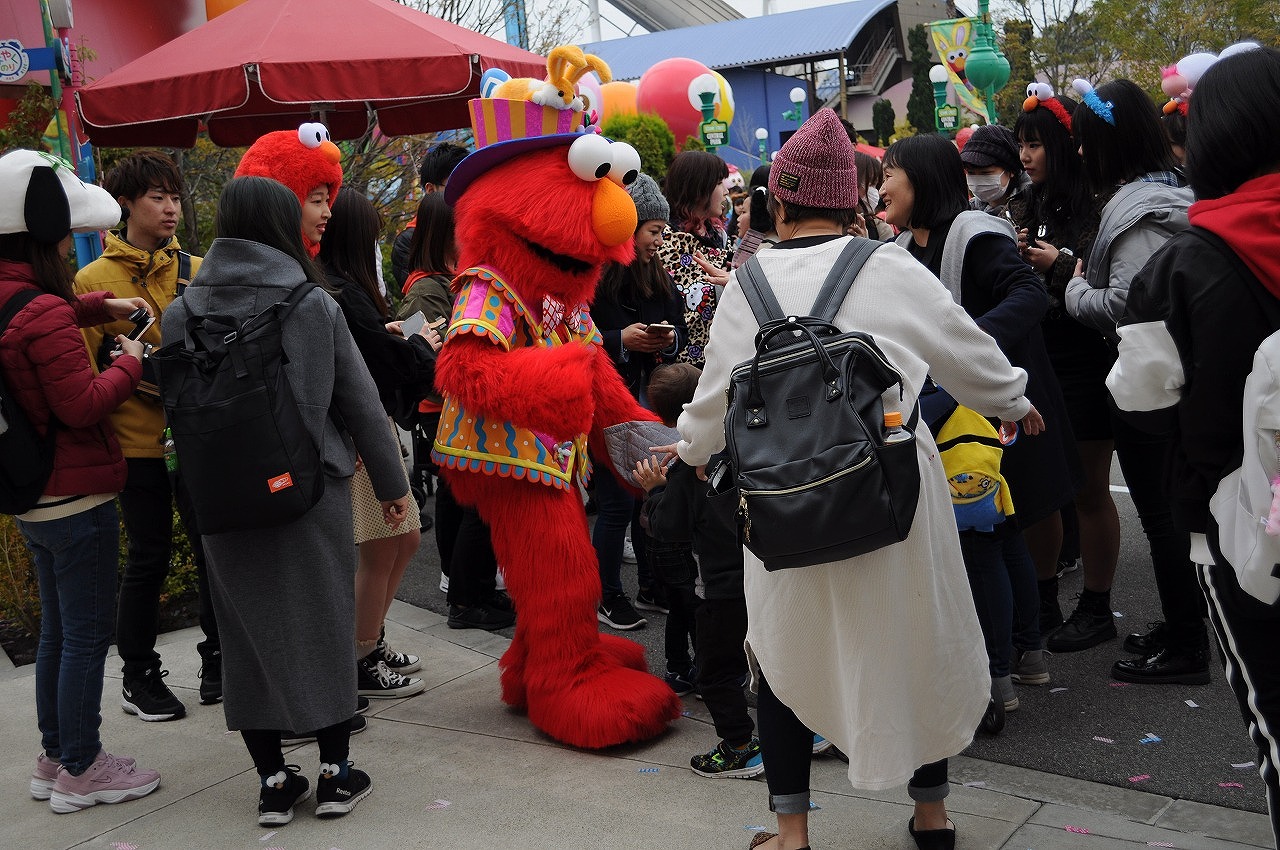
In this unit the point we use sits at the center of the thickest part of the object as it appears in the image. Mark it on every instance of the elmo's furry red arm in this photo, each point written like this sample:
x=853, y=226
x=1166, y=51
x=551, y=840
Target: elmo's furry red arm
x=546, y=389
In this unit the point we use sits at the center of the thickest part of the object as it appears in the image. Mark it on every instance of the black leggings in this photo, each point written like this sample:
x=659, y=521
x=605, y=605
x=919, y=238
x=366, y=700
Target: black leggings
x=787, y=747
x=264, y=746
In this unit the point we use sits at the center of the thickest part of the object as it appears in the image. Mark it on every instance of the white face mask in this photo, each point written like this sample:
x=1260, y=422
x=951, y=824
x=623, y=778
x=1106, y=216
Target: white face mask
x=873, y=197
x=988, y=188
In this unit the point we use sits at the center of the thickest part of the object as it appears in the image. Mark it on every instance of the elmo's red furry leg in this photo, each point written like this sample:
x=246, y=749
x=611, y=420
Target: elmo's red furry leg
x=574, y=688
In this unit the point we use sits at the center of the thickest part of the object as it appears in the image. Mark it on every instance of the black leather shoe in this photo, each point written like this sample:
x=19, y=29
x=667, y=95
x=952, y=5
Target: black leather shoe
x=993, y=718
x=1082, y=630
x=1168, y=666
x=1149, y=642
x=933, y=839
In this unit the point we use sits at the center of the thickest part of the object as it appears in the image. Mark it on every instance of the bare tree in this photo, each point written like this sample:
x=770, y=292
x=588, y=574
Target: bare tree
x=557, y=21
x=1066, y=42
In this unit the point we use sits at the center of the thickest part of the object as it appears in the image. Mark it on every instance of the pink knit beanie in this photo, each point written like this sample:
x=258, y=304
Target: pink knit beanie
x=815, y=167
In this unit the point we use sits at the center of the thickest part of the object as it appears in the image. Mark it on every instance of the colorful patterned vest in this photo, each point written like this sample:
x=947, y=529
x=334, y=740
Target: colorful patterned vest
x=486, y=306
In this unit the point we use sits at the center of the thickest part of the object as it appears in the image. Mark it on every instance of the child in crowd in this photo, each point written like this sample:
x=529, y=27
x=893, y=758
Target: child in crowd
x=681, y=508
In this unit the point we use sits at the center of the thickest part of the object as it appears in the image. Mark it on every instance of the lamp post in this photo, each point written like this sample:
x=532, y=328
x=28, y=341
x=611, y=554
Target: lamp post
x=945, y=116
x=987, y=68
x=703, y=90
x=762, y=138
x=796, y=113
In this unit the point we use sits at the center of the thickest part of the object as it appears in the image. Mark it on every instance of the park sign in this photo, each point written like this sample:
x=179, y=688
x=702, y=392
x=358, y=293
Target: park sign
x=947, y=117
x=715, y=133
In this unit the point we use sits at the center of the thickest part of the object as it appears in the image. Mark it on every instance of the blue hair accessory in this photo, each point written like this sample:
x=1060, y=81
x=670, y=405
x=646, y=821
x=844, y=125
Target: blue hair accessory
x=1096, y=105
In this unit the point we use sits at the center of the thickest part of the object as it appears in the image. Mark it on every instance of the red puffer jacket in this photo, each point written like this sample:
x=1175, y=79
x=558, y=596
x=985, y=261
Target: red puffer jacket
x=47, y=369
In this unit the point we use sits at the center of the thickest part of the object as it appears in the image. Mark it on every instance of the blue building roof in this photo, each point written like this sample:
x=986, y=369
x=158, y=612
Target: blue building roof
x=767, y=40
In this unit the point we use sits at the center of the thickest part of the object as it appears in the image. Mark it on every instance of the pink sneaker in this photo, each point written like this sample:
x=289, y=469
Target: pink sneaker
x=43, y=776
x=108, y=780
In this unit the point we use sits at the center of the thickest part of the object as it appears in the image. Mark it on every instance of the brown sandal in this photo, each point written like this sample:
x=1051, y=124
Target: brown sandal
x=760, y=838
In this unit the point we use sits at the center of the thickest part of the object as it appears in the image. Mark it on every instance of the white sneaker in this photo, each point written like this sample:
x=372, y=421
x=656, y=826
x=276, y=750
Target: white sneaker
x=628, y=551
x=500, y=580
x=444, y=583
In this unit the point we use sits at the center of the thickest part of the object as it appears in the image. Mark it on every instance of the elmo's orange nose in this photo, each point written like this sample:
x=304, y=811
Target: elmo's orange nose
x=613, y=213
x=331, y=152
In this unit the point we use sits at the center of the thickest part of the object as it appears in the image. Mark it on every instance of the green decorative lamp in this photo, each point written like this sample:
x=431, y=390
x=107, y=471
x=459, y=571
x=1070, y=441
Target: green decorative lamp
x=987, y=68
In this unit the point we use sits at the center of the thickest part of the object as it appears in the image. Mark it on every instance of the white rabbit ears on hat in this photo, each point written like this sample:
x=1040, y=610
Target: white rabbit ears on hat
x=54, y=201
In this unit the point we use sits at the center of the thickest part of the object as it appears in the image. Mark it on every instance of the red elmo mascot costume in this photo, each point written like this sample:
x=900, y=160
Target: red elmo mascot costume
x=527, y=386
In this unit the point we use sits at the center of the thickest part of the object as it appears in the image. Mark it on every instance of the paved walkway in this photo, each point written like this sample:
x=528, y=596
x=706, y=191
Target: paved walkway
x=453, y=768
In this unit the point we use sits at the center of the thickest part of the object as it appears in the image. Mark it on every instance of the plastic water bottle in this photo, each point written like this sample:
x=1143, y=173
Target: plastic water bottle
x=170, y=451
x=893, y=428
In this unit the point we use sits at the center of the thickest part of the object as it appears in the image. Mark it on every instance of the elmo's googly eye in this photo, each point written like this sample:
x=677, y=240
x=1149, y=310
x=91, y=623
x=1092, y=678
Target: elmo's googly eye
x=626, y=164
x=313, y=134
x=591, y=157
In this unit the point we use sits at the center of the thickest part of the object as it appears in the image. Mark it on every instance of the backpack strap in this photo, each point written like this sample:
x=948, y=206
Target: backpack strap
x=184, y=271
x=760, y=296
x=840, y=278
x=14, y=305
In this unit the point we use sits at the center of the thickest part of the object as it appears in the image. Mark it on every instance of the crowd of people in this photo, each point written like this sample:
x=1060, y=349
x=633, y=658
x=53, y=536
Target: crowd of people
x=1094, y=279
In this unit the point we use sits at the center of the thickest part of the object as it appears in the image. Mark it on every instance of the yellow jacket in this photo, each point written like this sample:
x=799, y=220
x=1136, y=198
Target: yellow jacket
x=130, y=272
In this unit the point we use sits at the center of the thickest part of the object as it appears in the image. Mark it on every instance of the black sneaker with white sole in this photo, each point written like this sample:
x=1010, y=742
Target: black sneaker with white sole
x=148, y=697
x=376, y=681
x=279, y=794
x=397, y=662
x=616, y=612
x=362, y=704
x=288, y=739
x=339, y=788
x=211, y=677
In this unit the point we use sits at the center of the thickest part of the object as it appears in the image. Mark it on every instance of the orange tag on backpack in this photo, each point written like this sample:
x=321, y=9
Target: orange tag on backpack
x=280, y=482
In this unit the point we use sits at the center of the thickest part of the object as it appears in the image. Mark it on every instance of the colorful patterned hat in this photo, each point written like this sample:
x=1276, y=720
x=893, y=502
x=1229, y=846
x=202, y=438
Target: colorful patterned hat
x=507, y=128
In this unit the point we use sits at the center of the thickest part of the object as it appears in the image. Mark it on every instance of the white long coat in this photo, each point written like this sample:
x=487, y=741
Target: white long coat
x=881, y=654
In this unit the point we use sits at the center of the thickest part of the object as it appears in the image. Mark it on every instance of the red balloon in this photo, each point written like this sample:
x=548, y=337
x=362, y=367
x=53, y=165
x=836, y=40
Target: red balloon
x=664, y=91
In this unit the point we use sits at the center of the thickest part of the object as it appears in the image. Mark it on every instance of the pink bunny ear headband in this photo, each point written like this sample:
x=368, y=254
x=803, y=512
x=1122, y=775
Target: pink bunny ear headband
x=1041, y=94
x=1096, y=105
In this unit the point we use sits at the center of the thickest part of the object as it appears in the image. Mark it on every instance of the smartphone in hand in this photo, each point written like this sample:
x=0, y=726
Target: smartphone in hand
x=659, y=328
x=414, y=324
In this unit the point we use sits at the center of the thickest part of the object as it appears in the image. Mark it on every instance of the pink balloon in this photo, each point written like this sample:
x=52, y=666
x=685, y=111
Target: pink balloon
x=664, y=91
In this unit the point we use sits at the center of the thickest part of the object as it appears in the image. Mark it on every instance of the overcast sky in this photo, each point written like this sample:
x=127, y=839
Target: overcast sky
x=615, y=24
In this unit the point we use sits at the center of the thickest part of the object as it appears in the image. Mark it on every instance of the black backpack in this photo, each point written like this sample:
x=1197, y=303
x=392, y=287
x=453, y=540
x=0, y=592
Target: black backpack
x=243, y=449
x=26, y=458
x=805, y=431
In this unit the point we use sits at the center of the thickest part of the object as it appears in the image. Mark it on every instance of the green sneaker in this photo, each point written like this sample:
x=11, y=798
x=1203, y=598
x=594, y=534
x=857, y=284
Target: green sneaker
x=728, y=762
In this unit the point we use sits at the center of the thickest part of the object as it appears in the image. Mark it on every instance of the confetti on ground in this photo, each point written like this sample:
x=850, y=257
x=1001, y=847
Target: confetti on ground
x=1079, y=830
x=1102, y=740
x=685, y=714
x=813, y=807
x=1142, y=777
x=1159, y=843
x=1230, y=785
x=1152, y=738
x=1192, y=704
x=438, y=804
x=1244, y=765
x=267, y=837
x=1056, y=690
x=1119, y=684
x=124, y=845
x=1117, y=615
x=647, y=770
x=754, y=828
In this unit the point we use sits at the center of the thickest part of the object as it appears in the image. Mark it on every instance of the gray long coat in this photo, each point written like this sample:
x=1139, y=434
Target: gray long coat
x=284, y=596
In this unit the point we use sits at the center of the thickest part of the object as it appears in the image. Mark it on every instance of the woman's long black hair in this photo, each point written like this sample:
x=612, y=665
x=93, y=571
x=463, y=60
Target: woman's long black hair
x=262, y=210
x=349, y=246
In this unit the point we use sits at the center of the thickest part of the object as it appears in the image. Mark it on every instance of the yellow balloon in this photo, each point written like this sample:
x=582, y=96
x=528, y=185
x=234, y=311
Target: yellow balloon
x=724, y=108
x=618, y=98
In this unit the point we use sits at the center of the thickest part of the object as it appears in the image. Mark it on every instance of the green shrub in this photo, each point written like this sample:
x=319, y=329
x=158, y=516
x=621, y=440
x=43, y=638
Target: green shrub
x=651, y=138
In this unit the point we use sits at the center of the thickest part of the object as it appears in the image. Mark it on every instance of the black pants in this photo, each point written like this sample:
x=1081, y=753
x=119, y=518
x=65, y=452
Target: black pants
x=672, y=565
x=466, y=551
x=146, y=504
x=787, y=747
x=722, y=664
x=264, y=746
x=1143, y=460
x=1247, y=630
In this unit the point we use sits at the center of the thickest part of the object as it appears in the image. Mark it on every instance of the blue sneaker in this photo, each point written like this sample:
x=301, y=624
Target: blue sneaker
x=681, y=683
x=726, y=762
x=821, y=745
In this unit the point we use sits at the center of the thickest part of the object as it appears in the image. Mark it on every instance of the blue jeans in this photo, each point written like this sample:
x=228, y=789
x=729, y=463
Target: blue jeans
x=1002, y=578
x=76, y=560
x=616, y=509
